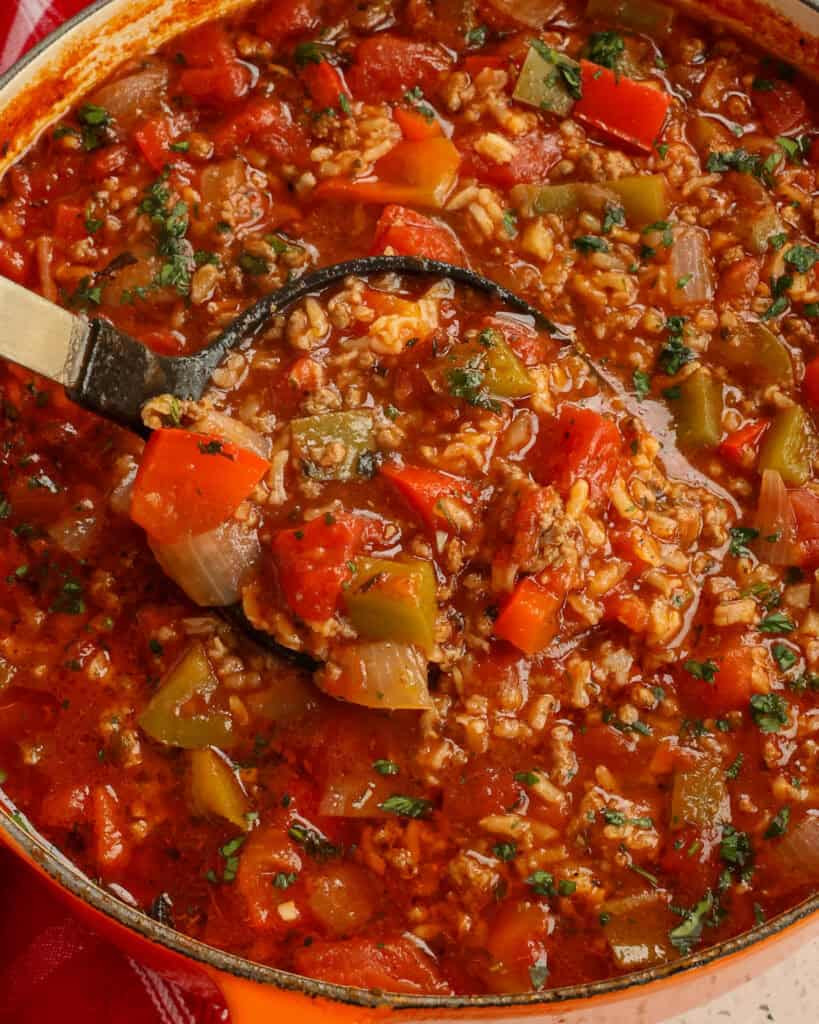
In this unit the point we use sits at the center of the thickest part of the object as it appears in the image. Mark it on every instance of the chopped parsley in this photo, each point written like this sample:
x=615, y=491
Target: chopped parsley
x=314, y=842
x=170, y=224
x=779, y=824
x=406, y=806
x=675, y=353
x=476, y=37
x=527, y=778
x=736, y=848
x=744, y=162
x=769, y=711
x=802, y=257
x=230, y=853
x=505, y=851
x=642, y=384
x=613, y=216
x=284, y=879
x=467, y=382
x=606, y=49
x=776, y=622
x=705, y=670
x=252, y=264
x=542, y=883
x=733, y=770
x=510, y=223
x=590, y=243
x=784, y=656
x=95, y=126
x=741, y=536
x=688, y=932
x=386, y=767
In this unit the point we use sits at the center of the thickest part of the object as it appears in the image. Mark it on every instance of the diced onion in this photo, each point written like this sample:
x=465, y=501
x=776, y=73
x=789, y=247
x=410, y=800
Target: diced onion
x=382, y=674
x=775, y=521
x=119, y=499
x=692, y=278
x=210, y=567
x=130, y=98
x=798, y=852
x=75, y=535
x=534, y=13
x=233, y=431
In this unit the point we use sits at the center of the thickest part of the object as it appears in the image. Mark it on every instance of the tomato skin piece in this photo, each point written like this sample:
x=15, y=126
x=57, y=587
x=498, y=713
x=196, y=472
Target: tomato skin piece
x=266, y=121
x=285, y=18
x=516, y=943
x=325, y=83
x=529, y=620
x=742, y=446
x=189, y=483
x=585, y=445
x=388, y=66
x=781, y=108
x=154, y=138
x=397, y=965
x=805, y=504
x=313, y=563
x=491, y=790
x=424, y=488
x=621, y=107
x=223, y=84
x=69, y=222
x=739, y=281
x=207, y=46
x=629, y=610
x=535, y=155
x=731, y=688
x=108, y=161
x=410, y=233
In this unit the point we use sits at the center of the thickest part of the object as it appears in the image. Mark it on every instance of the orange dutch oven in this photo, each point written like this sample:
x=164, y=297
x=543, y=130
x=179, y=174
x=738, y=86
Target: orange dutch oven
x=39, y=89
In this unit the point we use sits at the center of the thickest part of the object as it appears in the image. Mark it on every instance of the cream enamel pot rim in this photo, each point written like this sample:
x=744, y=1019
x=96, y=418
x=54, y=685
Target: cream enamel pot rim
x=35, y=92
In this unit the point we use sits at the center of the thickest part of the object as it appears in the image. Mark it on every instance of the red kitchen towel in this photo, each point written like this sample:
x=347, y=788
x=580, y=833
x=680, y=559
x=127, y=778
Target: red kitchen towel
x=51, y=967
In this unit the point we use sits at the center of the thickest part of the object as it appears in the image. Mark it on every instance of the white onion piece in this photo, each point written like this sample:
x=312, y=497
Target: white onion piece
x=234, y=431
x=211, y=567
x=534, y=13
x=692, y=276
x=355, y=795
x=775, y=521
x=130, y=98
x=798, y=851
x=381, y=674
x=75, y=535
x=119, y=500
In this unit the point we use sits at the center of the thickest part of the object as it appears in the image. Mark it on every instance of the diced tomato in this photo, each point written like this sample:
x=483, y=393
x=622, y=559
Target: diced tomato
x=111, y=848
x=306, y=374
x=805, y=504
x=409, y=233
x=584, y=445
x=517, y=943
x=65, y=805
x=269, y=123
x=530, y=346
x=741, y=446
x=208, y=46
x=397, y=965
x=426, y=490
x=781, y=107
x=223, y=83
x=628, y=609
x=739, y=281
x=731, y=688
x=530, y=618
x=475, y=64
x=621, y=107
x=811, y=382
x=154, y=138
x=491, y=790
x=69, y=222
x=325, y=83
x=285, y=18
x=13, y=262
x=535, y=155
x=415, y=125
x=189, y=483
x=388, y=66
x=108, y=161
x=313, y=563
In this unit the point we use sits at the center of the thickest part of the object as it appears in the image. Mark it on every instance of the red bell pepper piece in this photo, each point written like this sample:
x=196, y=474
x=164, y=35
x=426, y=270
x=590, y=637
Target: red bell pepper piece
x=529, y=619
x=535, y=155
x=782, y=107
x=584, y=445
x=313, y=563
x=388, y=66
x=154, y=138
x=189, y=483
x=415, y=125
x=740, y=445
x=412, y=173
x=409, y=233
x=425, y=489
x=326, y=84
x=621, y=107
x=212, y=72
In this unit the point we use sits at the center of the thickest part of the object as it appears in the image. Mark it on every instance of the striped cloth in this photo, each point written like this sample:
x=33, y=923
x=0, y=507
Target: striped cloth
x=51, y=967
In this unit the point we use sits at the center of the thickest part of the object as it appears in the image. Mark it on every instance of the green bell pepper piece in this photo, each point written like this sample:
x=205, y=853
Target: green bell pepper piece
x=393, y=601
x=163, y=719
x=698, y=411
x=642, y=196
x=215, y=789
x=330, y=445
x=755, y=352
x=544, y=80
x=786, y=447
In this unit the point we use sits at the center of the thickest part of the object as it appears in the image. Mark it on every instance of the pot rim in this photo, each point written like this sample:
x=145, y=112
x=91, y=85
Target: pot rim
x=64, y=872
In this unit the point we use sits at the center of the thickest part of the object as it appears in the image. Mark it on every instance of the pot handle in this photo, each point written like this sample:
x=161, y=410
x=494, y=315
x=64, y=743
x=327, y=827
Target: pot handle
x=251, y=1002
